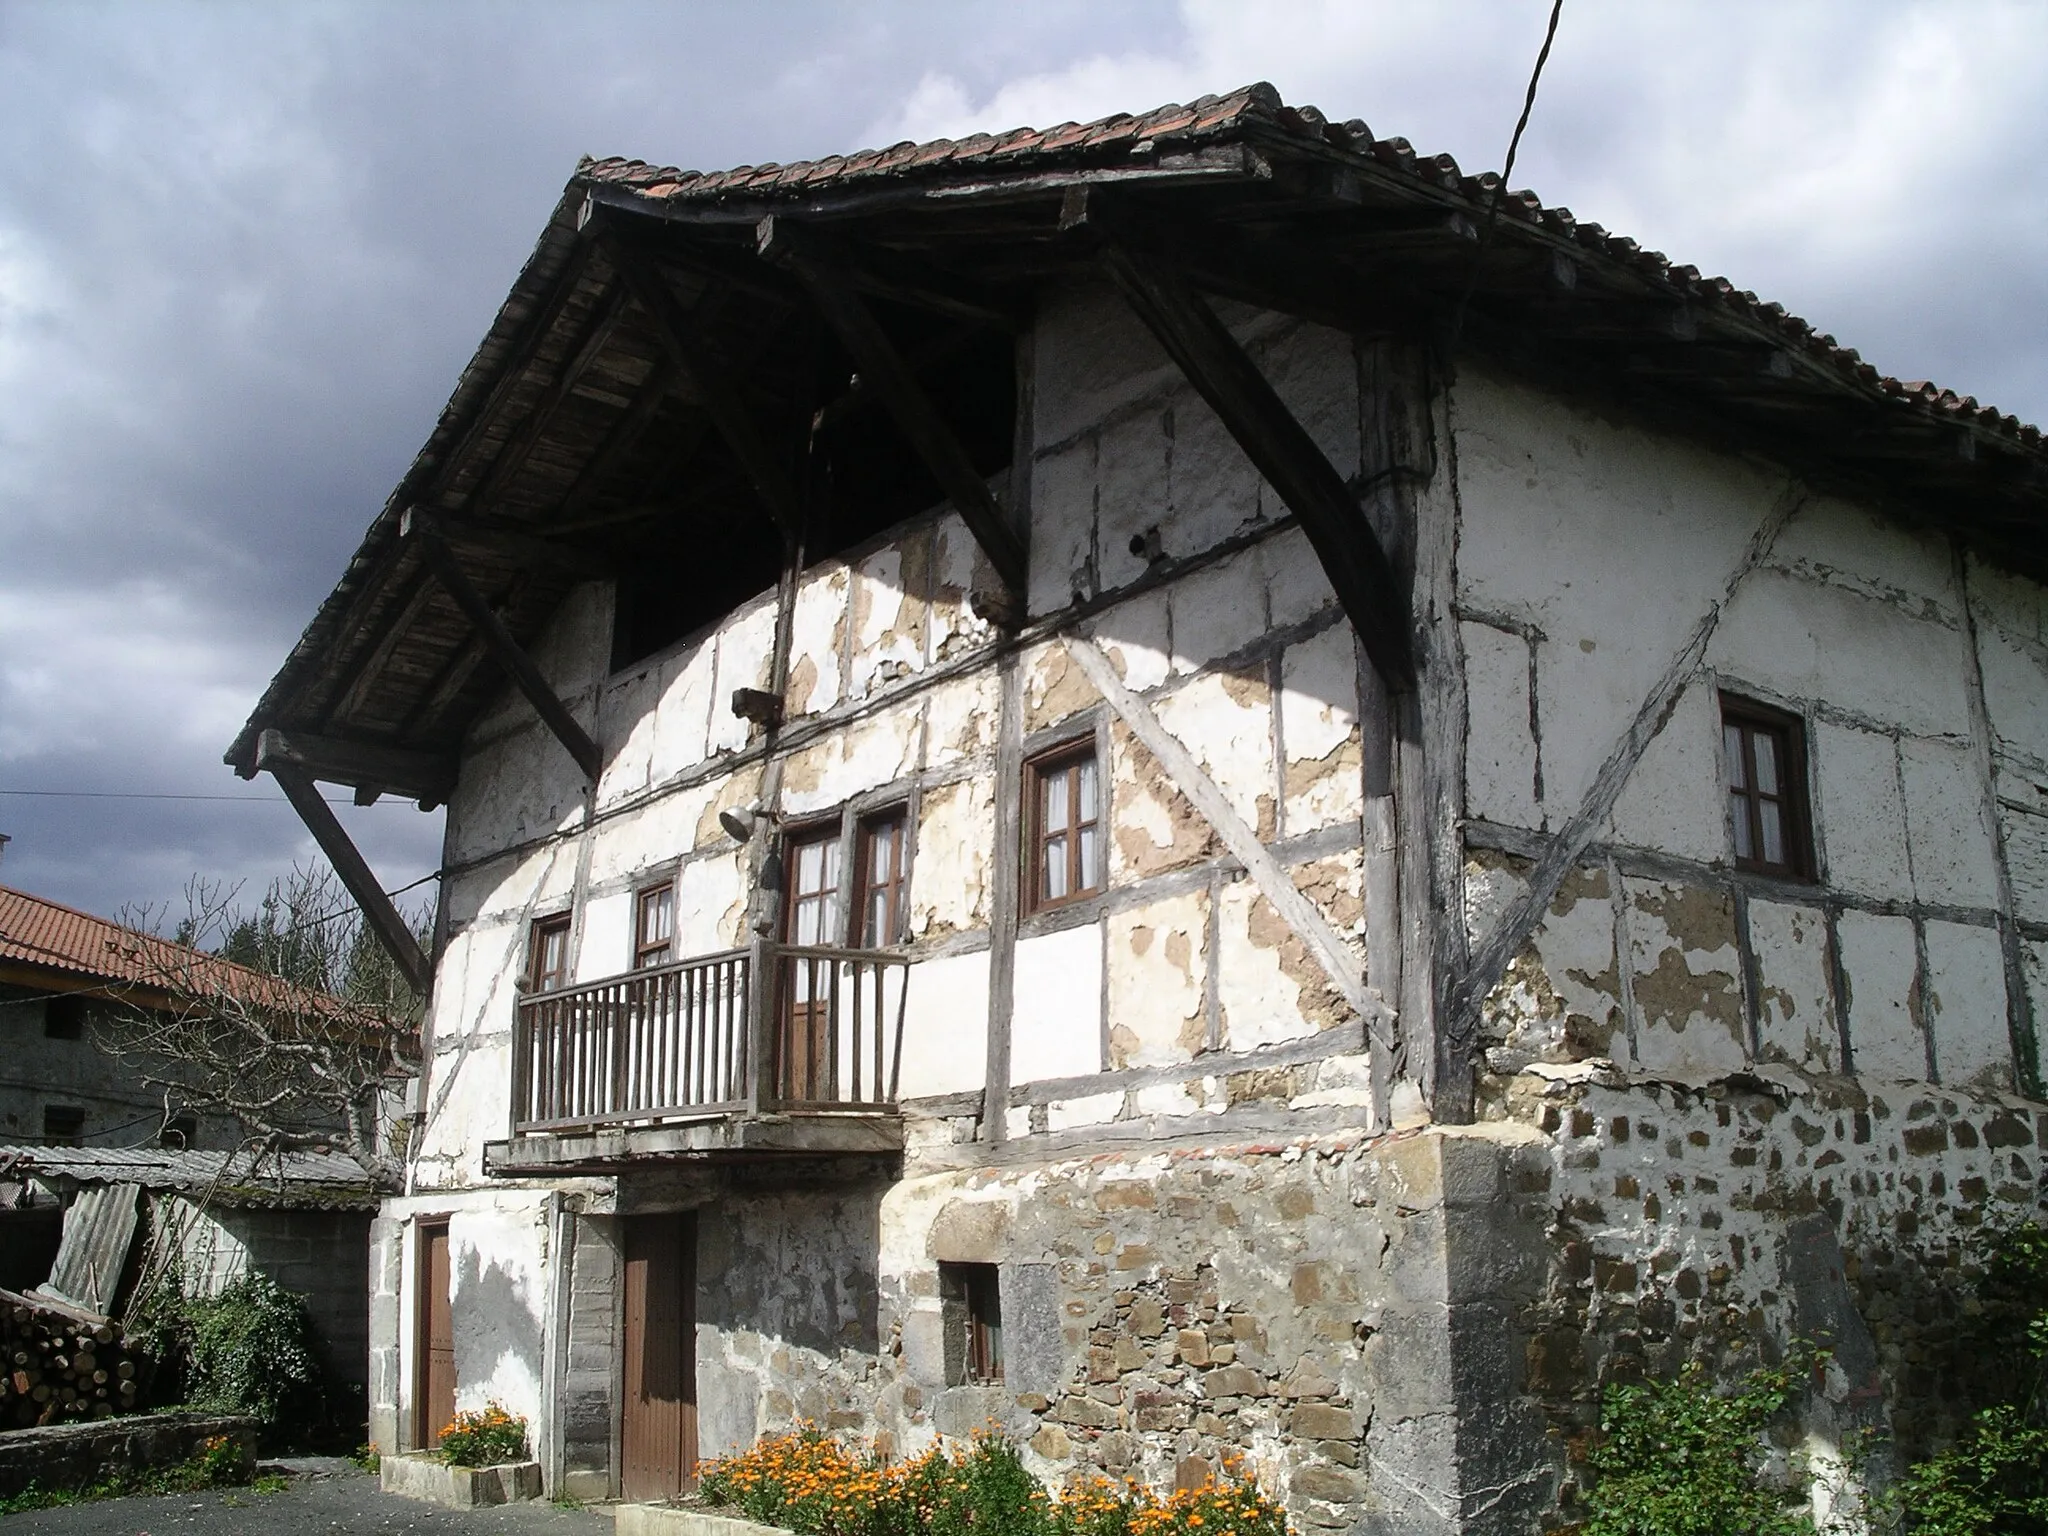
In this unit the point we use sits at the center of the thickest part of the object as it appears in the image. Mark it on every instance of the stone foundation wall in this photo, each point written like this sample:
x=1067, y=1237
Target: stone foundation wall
x=1724, y=1222
x=1299, y=1310
x=70, y=1456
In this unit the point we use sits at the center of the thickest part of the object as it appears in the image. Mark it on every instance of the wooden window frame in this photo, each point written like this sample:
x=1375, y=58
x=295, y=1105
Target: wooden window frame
x=864, y=887
x=1039, y=769
x=971, y=1298
x=642, y=948
x=822, y=831
x=542, y=926
x=1749, y=720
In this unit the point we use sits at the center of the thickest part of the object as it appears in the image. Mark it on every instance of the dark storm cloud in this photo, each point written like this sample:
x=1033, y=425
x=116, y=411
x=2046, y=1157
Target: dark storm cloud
x=245, y=251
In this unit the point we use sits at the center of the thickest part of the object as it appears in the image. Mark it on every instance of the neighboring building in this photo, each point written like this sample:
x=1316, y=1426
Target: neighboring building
x=1302, y=880
x=64, y=974
x=205, y=1218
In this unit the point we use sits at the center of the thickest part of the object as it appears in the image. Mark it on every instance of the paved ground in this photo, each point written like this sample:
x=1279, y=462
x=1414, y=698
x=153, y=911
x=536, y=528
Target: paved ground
x=328, y=1498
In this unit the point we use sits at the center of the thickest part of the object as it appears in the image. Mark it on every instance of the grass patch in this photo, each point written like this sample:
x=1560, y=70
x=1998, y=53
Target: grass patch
x=218, y=1463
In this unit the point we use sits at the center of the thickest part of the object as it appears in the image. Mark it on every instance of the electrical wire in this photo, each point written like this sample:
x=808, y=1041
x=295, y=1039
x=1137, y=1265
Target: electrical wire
x=1500, y=187
x=117, y=794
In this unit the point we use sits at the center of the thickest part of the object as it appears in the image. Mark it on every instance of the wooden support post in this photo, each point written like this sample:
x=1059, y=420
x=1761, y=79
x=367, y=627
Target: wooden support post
x=510, y=655
x=884, y=371
x=713, y=388
x=1224, y=374
x=355, y=875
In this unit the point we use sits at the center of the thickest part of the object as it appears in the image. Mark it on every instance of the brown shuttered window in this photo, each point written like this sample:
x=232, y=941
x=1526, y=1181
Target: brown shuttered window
x=547, y=954
x=654, y=926
x=1064, y=805
x=880, y=880
x=1763, y=762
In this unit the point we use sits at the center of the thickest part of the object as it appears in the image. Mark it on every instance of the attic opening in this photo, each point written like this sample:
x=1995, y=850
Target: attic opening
x=858, y=474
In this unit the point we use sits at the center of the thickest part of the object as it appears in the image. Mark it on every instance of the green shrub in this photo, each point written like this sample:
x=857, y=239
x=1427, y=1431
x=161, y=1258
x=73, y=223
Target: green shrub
x=484, y=1437
x=1677, y=1458
x=252, y=1351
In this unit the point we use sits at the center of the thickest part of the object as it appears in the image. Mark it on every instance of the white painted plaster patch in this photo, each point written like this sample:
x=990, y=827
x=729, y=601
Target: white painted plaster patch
x=1056, y=1022
x=1879, y=961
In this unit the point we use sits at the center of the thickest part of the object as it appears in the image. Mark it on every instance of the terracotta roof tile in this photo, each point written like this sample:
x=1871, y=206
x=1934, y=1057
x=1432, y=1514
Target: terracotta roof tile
x=50, y=936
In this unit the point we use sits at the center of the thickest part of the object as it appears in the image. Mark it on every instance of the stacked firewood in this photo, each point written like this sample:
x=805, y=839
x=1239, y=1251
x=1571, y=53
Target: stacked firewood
x=57, y=1365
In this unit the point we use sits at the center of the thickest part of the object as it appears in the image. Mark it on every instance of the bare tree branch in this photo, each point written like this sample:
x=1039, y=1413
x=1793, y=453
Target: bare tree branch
x=290, y=1019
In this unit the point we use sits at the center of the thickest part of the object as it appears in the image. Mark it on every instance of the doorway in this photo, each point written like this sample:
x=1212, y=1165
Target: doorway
x=434, y=1347
x=658, y=1429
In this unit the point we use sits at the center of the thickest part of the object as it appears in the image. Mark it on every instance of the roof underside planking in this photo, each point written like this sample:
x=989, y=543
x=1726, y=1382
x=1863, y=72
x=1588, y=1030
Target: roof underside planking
x=662, y=360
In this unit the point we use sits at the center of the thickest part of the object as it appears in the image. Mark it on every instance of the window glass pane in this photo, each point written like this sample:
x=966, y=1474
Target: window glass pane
x=1087, y=777
x=875, y=922
x=1731, y=746
x=1056, y=801
x=1766, y=761
x=1738, y=815
x=1088, y=880
x=882, y=852
x=1774, y=830
x=1053, y=876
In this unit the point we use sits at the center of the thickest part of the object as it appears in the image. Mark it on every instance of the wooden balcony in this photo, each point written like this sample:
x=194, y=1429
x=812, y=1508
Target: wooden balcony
x=701, y=1057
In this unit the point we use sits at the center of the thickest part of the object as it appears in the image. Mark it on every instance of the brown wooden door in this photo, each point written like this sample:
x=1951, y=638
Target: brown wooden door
x=810, y=916
x=434, y=1387
x=658, y=1438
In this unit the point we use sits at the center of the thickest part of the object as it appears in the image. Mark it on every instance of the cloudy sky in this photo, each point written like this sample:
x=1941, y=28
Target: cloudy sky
x=245, y=249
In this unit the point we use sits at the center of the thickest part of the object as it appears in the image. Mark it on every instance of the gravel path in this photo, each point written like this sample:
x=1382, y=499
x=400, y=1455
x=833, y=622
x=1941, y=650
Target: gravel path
x=326, y=1497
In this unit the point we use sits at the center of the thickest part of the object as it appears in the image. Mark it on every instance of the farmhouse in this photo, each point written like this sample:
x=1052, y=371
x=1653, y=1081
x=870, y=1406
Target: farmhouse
x=1198, y=786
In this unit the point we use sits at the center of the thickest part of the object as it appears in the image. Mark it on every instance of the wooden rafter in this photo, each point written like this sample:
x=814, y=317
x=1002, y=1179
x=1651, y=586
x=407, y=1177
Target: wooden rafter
x=423, y=776
x=895, y=386
x=711, y=384
x=512, y=544
x=377, y=908
x=1223, y=373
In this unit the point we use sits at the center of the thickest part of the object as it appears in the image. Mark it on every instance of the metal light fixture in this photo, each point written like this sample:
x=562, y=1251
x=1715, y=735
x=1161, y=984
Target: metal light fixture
x=741, y=824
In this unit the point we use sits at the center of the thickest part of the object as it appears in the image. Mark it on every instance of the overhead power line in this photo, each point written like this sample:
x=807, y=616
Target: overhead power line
x=121, y=794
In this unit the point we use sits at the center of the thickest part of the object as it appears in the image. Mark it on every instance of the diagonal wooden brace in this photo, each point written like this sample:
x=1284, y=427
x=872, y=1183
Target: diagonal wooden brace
x=1223, y=373
x=377, y=908
x=1239, y=836
x=883, y=370
x=510, y=655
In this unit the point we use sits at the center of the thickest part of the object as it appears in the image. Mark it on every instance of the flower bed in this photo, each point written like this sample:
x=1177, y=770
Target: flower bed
x=812, y=1484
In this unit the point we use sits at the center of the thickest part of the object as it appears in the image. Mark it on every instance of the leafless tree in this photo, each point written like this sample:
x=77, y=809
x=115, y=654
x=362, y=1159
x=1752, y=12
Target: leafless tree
x=290, y=1019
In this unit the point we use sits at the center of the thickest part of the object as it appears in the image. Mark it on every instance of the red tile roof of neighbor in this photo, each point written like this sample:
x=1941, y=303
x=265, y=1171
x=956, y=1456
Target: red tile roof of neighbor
x=1259, y=106
x=47, y=935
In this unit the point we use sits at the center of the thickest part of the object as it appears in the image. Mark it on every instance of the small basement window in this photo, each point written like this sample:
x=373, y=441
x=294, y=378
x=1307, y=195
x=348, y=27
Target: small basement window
x=970, y=1297
x=1763, y=761
x=64, y=1017
x=63, y=1126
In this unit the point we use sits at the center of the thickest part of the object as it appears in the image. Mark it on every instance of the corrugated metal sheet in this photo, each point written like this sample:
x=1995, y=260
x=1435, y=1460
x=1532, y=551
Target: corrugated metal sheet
x=99, y=1229
x=235, y=1178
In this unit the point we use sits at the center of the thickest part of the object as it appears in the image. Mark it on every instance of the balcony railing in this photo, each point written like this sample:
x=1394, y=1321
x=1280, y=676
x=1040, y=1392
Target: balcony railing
x=700, y=1038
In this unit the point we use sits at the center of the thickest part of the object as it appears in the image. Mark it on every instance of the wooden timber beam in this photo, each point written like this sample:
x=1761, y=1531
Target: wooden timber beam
x=711, y=386
x=509, y=654
x=422, y=776
x=516, y=545
x=377, y=908
x=883, y=370
x=895, y=275
x=1223, y=373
